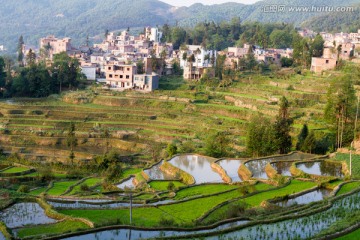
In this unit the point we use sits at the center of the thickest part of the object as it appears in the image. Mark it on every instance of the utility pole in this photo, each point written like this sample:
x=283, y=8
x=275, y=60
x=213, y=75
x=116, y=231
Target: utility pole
x=130, y=208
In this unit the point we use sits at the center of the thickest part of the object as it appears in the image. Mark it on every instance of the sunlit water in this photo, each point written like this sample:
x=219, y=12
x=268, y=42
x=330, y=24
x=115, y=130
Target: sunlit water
x=197, y=166
x=135, y=234
x=322, y=168
x=306, y=198
x=126, y=184
x=155, y=173
x=22, y=214
x=257, y=166
x=231, y=168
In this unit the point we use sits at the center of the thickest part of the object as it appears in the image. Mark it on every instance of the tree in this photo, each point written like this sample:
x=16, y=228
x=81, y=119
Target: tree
x=171, y=149
x=302, y=136
x=216, y=144
x=2, y=72
x=140, y=67
x=309, y=144
x=286, y=62
x=340, y=109
x=250, y=59
x=280, y=38
x=260, y=137
x=20, y=51
x=282, y=128
x=106, y=33
x=66, y=71
x=30, y=57
x=317, y=46
x=71, y=142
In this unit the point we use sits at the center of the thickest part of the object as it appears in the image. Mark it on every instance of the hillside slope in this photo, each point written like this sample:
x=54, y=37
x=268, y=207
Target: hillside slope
x=79, y=18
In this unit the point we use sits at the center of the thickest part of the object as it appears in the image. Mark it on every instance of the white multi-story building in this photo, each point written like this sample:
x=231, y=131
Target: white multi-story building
x=202, y=56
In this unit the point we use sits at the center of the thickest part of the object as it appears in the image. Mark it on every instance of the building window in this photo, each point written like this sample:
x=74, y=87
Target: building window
x=110, y=75
x=117, y=83
x=109, y=68
x=327, y=61
x=127, y=76
x=128, y=84
x=128, y=69
x=121, y=76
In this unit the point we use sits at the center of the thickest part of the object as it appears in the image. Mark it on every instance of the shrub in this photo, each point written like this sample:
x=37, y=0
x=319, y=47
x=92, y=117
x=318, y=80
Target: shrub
x=84, y=187
x=171, y=186
x=23, y=189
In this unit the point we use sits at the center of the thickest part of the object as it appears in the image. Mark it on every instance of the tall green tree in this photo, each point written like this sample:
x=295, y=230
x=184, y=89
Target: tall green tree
x=216, y=145
x=302, y=136
x=260, y=137
x=20, y=51
x=340, y=109
x=30, y=57
x=317, y=46
x=71, y=142
x=283, y=127
x=309, y=144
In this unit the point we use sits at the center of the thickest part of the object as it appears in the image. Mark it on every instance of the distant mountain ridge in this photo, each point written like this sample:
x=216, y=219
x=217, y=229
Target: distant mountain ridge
x=78, y=18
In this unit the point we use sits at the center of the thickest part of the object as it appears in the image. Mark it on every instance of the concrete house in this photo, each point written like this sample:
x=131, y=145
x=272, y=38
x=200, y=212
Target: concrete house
x=146, y=82
x=327, y=62
x=120, y=76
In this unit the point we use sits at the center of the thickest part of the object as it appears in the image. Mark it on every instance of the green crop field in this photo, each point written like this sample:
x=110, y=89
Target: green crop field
x=60, y=187
x=163, y=185
x=355, y=163
x=61, y=227
x=182, y=213
x=15, y=170
x=348, y=188
x=254, y=201
x=205, y=190
x=38, y=191
x=351, y=236
x=91, y=182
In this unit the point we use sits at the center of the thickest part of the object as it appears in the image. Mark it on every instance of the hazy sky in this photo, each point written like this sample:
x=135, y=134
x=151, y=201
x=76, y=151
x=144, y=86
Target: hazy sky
x=207, y=2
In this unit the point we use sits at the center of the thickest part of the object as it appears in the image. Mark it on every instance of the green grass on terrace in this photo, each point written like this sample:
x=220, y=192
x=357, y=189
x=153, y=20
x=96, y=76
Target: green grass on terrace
x=182, y=213
x=355, y=163
x=60, y=187
x=15, y=170
x=163, y=185
x=255, y=200
x=348, y=188
x=91, y=182
x=57, y=228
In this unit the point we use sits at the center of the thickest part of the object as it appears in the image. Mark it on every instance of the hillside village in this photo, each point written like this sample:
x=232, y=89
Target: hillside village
x=243, y=125
x=137, y=62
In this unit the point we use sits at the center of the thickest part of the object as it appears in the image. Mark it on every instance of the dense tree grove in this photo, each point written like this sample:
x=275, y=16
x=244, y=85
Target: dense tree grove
x=37, y=79
x=219, y=36
x=340, y=110
x=266, y=138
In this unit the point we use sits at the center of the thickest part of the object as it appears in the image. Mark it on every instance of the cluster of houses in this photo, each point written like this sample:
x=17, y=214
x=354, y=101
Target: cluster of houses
x=116, y=60
x=345, y=46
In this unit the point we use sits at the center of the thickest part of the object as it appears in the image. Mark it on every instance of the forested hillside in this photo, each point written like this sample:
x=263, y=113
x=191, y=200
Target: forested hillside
x=336, y=22
x=78, y=18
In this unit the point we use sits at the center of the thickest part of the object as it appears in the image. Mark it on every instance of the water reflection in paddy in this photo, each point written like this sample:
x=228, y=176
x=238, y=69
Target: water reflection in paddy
x=257, y=166
x=127, y=184
x=306, y=198
x=323, y=168
x=283, y=168
x=197, y=166
x=155, y=173
x=231, y=167
x=22, y=214
x=137, y=234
